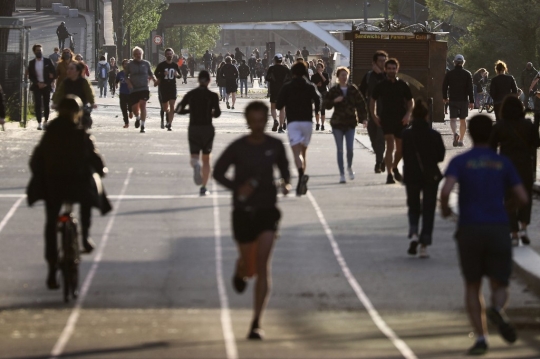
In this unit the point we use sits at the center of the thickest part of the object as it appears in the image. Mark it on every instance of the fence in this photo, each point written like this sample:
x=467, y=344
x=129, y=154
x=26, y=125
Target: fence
x=13, y=61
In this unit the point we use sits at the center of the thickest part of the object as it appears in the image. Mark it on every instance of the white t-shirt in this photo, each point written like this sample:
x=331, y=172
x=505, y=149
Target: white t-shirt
x=344, y=90
x=39, y=70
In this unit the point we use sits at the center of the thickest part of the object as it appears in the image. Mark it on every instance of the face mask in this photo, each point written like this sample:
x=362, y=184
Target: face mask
x=66, y=56
x=39, y=55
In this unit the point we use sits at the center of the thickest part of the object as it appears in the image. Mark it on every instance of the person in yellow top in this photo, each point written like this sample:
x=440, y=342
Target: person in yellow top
x=61, y=68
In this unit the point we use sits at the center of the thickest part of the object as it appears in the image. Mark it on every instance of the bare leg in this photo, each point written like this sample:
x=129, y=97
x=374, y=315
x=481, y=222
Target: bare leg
x=273, y=111
x=233, y=98
x=304, y=157
x=499, y=295
x=462, y=129
x=388, y=158
x=399, y=153
x=265, y=243
x=317, y=118
x=142, y=105
x=205, y=169
x=282, y=111
x=297, y=154
x=475, y=307
x=170, y=114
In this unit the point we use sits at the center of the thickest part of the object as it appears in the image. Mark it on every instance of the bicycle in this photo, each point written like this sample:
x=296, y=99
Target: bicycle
x=86, y=120
x=486, y=102
x=68, y=252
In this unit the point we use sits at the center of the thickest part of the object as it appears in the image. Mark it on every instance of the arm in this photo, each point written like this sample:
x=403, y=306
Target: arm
x=216, y=110
x=222, y=165
x=535, y=81
x=181, y=107
x=89, y=92
x=449, y=183
x=514, y=85
x=361, y=108
x=445, y=88
x=407, y=117
x=518, y=198
x=283, y=165
x=441, y=150
x=470, y=90
x=364, y=86
x=328, y=101
x=372, y=104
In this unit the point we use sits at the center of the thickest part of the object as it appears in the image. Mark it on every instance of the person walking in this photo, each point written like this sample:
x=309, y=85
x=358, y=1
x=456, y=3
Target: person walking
x=325, y=54
x=62, y=33
x=396, y=106
x=202, y=106
x=255, y=216
x=55, y=57
x=86, y=71
x=62, y=166
x=349, y=109
x=321, y=80
x=243, y=73
x=166, y=73
x=305, y=53
x=112, y=76
x=369, y=81
x=482, y=236
x=480, y=80
x=61, y=68
x=191, y=65
x=238, y=55
x=251, y=63
x=297, y=98
x=229, y=73
x=124, y=94
x=103, y=76
x=501, y=85
x=423, y=149
x=277, y=76
x=138, y=73
x=517, y=139
x=457, y=88
x=527, y=77
x=184, y=70
x=207, y=60
x=41, y=73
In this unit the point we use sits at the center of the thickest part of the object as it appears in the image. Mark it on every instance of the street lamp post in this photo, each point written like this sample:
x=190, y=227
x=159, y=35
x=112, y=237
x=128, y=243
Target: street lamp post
x=96, y=35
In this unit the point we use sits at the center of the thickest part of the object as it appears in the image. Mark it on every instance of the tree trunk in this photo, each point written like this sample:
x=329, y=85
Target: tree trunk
x=7, y=7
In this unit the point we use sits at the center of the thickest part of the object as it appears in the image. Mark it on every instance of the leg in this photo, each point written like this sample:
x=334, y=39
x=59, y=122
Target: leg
x=170, y=113
x=453, y=126
x=46, y=96
x=429, y=204
x=205, y=169
x=51, y=246
x=349, y=138
x=338, y=137
x=323, y=114
x=413, y=202
x=399, y=153
x=281, y=123
x=233, y=98
x=265, y=243
x=317, y=118
x=86, y=222
x=474, y=301
x=389, y=157
x=297, y=155
x=37, y=105
x=273, y=111
x=499, y=294
x=462, y=128
x=124, y=106
x=142, y=106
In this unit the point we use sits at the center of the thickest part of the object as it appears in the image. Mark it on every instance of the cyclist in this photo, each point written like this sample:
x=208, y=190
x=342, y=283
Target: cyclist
x=62, y=168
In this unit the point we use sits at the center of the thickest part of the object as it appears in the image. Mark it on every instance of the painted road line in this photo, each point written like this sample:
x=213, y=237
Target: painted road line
x=11, y=212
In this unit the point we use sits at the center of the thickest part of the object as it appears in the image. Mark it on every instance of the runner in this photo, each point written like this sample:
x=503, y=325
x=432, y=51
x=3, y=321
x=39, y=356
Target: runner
x=321, y=80
x=276, y=76
x=203, y=106
x=124, y=94
x=229, y=73
x=255, y=217
x=243, y=73
x=112, y=76
x=370, y=80
x=166, y=73
x=397, y=103
x=297, y=97
x=138, y=72
x=483, y=234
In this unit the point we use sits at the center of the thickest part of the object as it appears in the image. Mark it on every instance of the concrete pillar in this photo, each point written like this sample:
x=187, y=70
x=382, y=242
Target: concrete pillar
x=64, y=10
x=56, y=7
x=73, y=12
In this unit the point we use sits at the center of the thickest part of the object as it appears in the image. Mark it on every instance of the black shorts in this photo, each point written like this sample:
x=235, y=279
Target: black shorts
x=167, y=94
x=393, y=128
x=248, y=225
x=135, y=97
x=485, y=250
x=459, y=109
x=201, y=138
x=231, y=86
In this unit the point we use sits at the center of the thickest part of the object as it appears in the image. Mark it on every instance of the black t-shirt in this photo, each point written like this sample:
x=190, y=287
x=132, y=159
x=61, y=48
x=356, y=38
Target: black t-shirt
x=393, y=98
x=276, y=76
x=201, y=102
x=229, y=72
x=166, y=74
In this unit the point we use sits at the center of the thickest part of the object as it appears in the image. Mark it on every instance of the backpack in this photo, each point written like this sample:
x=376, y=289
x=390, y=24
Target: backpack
x=103, y=71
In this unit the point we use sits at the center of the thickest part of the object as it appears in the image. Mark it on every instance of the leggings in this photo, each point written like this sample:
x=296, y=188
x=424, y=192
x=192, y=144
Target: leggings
x=124, y=106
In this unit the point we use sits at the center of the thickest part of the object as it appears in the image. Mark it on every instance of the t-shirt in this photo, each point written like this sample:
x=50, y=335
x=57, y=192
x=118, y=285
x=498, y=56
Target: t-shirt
x=276, y=76
x=392, y=98
x=484, y=177
x=121, y=78
x=325, y=52
x=201, y=102
x=139, y=72
x=166, y=74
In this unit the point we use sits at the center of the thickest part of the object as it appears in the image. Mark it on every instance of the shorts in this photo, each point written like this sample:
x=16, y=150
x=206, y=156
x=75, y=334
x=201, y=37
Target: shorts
x=485, y=250
x=300, y=132
x=167, y=94
x=248, y=225
x=231, y=87
x=201, y=138
x=459, y=109
x=135, y=97
x=274, y=95
x=395, y=128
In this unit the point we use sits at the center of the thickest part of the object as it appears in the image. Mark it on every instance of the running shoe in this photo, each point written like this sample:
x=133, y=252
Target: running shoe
x=480, y=347
x=397, y=176
x=239, y=284
x=317, y=127
x=383, y=167
x=501, y=321
x=197, y=176
x=460, y=144
x=280, y=130
x=162, y=124
x=88, y=245
x=232, y=108
x=378, y=167
x=137, y=122
x=515, y=242
x=168, y=126
x=284, y=126
x=256, y=334
x=142, y=129
x=351, y=173
x=303, y=184
x=204, y=192
x=275, y=126
x=126, y=125
x=228, y=106
x=322, y=127
x=524, y=237
x=45, y=125
x=412, y=247
x=39, y=127
x=423, y=253
x=390, y=179
x=342, y=179
x=456, y=140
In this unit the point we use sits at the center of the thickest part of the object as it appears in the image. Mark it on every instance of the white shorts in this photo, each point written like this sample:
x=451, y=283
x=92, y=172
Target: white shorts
x=300, y=132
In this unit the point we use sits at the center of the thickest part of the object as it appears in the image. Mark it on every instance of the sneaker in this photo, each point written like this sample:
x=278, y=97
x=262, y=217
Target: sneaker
x=228, y=106
x=383, y=167
x=239, y=284
x=412, y=247
x=524, y=238
x=280, y=130
x=275, y=126
x=317, y=126
x=397, y=176
x=499, y=319
x=204, y=192
x=256, y=334
x=342, y=179
x=515, y=242
x=480, y=347
x=169, y=128
x=137, y=122
x=39, y=127
x=142, y=129
x=351, y=173
x=378, y=168
x=162, y=124
x=88, y=246
x=232, y=107
x=322, y=127
x=460, y=144
x=285, y=126
x=303, y=186
x=423, y=252
x=390, y=179
x=197, y=176
x=100, y=96
x=456, y=140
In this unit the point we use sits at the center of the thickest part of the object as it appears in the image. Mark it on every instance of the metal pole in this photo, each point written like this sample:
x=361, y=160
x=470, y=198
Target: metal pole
x=365, y=12
x=96, y=35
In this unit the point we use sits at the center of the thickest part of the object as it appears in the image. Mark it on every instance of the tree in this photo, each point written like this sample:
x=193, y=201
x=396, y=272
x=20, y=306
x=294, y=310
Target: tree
x=496, y=30
x=196, y=39
x=142, y=16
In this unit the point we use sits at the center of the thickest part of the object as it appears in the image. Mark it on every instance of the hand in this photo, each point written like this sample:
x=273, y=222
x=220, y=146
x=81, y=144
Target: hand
x=471, y=106
x=245, y=191
x=445, y=101
x=406, y=119
x=446, y=212
x=156, y=82
x=338, y=99
x=285, y=188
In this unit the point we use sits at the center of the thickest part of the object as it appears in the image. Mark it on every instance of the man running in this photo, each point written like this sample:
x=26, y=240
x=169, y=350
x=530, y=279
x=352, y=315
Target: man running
x=166, y=73
x=457, y=88
x=297, y=98
x=124, y=94
x=203, y=106
x=138, y=73
x=395, y=98
x=255, y=217
x=207, y=59
x=370, y=80
x=276, y=76
x=483, y=234
x=229, y=72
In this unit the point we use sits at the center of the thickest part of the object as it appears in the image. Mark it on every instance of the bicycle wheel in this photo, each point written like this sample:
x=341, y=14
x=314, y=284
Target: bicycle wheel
x=70, y=256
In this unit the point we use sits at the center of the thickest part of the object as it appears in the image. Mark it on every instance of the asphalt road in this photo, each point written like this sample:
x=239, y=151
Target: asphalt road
x=158, y=286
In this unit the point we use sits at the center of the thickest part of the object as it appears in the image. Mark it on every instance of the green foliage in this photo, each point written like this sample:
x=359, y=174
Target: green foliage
x=143, y=16
x=495, y=30
x=195, y=39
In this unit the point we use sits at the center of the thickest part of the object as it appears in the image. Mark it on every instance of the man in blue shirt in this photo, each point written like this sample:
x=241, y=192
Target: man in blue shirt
x=483, y=234
x=124, y=94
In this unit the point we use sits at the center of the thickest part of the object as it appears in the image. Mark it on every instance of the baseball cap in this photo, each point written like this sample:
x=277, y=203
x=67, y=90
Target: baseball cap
x=459, y=58
x=278, y=57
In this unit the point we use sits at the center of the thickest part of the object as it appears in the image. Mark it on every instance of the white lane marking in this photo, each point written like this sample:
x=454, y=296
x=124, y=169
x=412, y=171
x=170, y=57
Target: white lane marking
x=226, y=322
x=373, y=313
x=76, y=312
x=11, y=212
